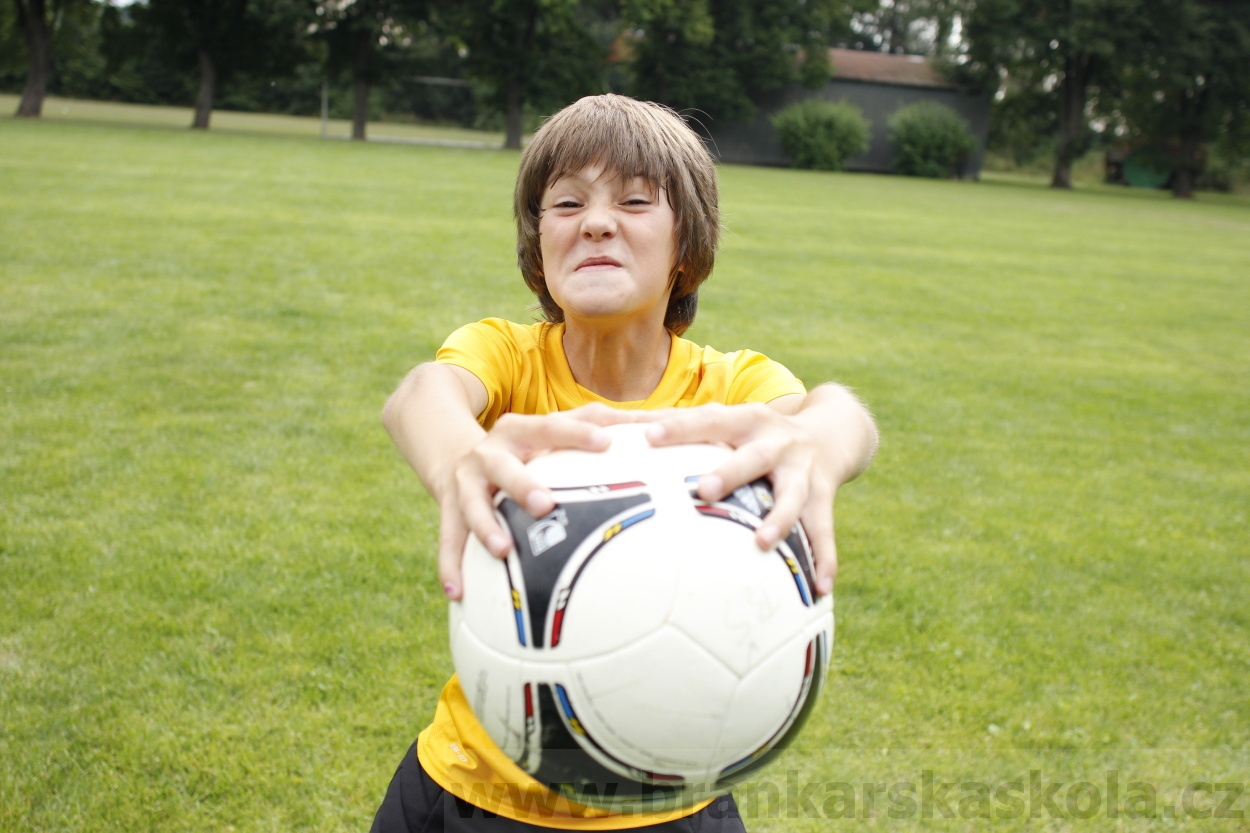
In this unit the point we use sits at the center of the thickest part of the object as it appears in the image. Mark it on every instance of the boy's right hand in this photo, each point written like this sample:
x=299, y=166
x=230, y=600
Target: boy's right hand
x=466, y=497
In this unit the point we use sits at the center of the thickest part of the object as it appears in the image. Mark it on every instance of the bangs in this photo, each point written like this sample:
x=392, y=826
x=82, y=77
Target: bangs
x=616, y=141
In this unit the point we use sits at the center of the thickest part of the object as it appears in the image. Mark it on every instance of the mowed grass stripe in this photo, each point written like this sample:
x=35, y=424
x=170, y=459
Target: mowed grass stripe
x=218, y=603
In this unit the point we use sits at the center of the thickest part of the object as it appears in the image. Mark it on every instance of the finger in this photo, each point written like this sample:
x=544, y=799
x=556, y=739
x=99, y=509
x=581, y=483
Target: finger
x=713, y=423
x=818, y=522
x=505, y=471
x=790, y=493
x=527, y=436
x=452, y=535
x=745, y=465
x=475, y=507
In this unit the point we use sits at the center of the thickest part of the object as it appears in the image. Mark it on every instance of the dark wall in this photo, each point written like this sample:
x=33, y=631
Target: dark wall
x=757, y=143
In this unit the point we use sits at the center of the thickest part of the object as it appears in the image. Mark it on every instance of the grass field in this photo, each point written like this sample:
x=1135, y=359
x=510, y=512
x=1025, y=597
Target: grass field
x=218, y=605
x=229, y=121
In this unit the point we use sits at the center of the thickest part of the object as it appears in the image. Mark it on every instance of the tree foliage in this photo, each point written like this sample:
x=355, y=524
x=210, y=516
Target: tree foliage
x=719, y=57
x=366, y=40
x=48, y=30
x=1168, y=74
x=1190, y=87
x=222, y=37
x=911, y=27
x=527, y=52
x=1070, y=50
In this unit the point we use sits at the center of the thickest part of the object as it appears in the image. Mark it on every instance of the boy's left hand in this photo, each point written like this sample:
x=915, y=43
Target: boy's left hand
x=808, y=446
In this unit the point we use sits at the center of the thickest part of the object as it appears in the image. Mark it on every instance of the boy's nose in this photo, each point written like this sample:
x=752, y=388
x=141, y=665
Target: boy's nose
x=598, y=223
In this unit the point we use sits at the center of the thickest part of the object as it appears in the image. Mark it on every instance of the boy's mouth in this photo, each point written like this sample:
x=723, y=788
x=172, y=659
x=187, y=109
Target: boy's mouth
x=598, y=261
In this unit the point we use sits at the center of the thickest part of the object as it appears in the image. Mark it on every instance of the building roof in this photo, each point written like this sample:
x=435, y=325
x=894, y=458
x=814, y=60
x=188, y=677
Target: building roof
x=884, y=68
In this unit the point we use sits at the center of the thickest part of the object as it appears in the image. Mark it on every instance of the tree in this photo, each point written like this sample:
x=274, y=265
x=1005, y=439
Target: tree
x=1190, y=87
x=38, y=20
x=221, y=37
x=538, y=52
x=719, y=57
x=911, y=27
x=364, y=38
x=1068, y=48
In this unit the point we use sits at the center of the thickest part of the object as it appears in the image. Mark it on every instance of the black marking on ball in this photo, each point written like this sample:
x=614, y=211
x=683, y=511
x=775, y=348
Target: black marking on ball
x=567, y=768
x=541, y=571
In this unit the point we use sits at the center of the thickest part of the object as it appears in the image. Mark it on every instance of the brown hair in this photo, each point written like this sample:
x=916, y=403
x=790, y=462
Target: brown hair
x=630, y=138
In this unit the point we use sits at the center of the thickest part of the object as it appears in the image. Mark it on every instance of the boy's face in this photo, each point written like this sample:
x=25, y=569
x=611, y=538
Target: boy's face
x=608, y=246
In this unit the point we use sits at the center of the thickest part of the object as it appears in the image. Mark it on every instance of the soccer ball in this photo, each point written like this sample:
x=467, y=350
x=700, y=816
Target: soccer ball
x=637, y=650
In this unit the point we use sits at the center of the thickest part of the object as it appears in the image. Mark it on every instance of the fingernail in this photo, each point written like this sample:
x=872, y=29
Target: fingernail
x=450, y=590
x=538, y=503
x=655, y=432
x=711, y=487
x=825, y=586
x=769, y=534
x=497, y=544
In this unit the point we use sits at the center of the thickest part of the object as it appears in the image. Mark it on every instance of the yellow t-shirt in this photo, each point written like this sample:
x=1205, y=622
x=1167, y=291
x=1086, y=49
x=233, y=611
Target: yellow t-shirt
x=525, y=371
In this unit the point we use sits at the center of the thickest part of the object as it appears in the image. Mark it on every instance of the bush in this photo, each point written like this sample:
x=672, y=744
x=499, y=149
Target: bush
x=821, y=135
x=930, y=139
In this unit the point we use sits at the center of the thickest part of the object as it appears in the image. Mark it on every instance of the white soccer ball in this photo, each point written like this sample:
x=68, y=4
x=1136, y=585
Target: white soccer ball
x=637, y=649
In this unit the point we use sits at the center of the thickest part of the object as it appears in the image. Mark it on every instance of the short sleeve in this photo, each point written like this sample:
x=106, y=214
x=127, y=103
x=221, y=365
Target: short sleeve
x=489, y=351
x=757, y=378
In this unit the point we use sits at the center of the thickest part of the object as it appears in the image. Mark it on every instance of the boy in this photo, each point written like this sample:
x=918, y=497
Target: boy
x=617, y=226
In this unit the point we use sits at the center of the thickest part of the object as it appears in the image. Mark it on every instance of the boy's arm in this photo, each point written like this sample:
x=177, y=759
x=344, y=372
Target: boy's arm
x=432, y=419
x=808, y=444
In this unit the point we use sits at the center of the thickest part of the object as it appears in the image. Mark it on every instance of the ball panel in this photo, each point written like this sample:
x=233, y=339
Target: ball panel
x=657, y=704
x=495, y=688
x=738, y=602
x=625, y=593
x=763, y=702
x=489, y=602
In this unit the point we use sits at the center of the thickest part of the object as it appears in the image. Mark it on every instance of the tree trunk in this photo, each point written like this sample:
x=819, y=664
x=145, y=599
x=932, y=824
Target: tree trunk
x=943, y=35
x=1189, y=132
x=34, y=19
x=512, y=139
x=1187, y=169
x=362, y=78
x=208, y=86
x=1072, y=125
x=514, y=100
x=360, y=109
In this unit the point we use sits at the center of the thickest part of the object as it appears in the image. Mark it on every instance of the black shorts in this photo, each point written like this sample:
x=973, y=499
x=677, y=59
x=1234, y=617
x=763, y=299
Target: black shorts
x=414, y=803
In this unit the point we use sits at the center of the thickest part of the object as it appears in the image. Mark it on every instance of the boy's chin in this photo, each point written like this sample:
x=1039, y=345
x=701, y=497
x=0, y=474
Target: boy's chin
x=607, y=313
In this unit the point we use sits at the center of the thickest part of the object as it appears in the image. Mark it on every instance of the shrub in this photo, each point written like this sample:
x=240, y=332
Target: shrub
x=929, y=139
x=820, y=134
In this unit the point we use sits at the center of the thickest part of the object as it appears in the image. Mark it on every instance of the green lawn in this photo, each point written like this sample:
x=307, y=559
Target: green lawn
x=218, y=603
x=111, y=112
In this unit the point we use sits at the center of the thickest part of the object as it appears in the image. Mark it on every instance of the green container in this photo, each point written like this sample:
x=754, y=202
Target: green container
x=1147, y=169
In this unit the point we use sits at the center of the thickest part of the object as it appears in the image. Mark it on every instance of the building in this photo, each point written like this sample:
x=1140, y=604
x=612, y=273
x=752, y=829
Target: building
x=876, y=82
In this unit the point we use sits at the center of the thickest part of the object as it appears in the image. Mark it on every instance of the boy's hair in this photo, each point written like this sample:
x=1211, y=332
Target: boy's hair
x=629, y=138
